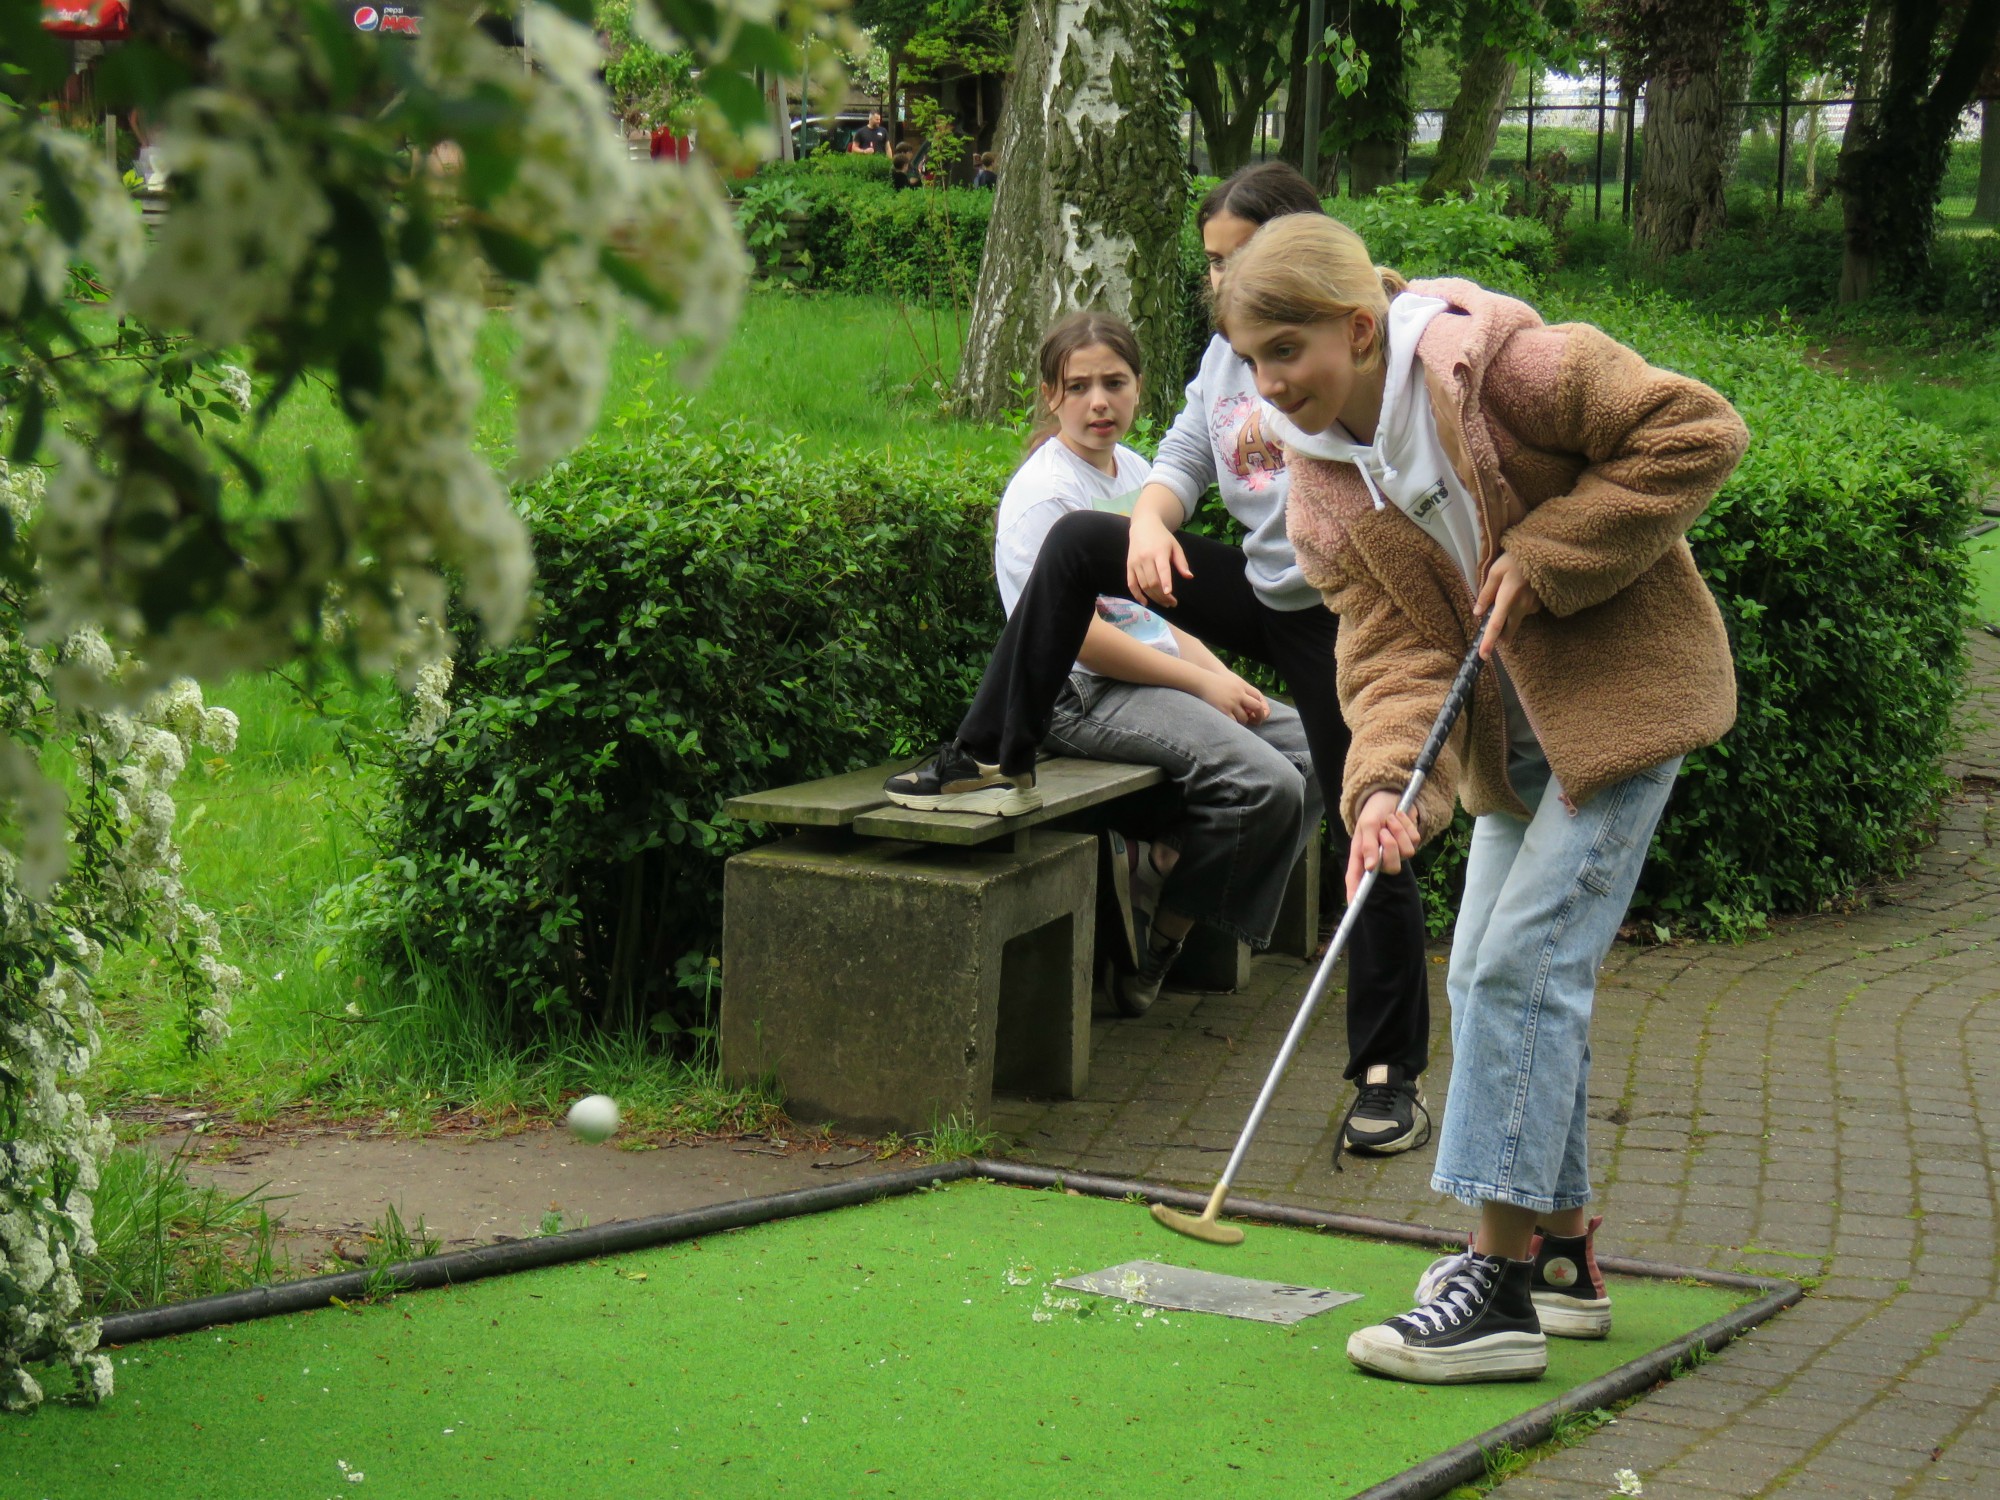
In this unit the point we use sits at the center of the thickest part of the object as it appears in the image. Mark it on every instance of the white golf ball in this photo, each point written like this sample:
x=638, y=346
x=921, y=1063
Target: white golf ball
x=594, y=1117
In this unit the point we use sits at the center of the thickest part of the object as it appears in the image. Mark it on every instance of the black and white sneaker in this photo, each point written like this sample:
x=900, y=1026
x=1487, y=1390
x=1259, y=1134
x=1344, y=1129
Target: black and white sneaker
x=953, y=781
x=1568, y=1290
x=1386, y=1117
x=1478, y=1324
x=1135, y=993
x=1570, y=1296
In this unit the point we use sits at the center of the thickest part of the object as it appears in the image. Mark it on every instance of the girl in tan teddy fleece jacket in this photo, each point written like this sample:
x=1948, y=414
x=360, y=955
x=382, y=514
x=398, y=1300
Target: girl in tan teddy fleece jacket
x=1451, y=454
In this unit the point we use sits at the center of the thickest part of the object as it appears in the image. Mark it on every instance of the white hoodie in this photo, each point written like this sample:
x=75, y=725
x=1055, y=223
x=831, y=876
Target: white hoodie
x=1407, y=466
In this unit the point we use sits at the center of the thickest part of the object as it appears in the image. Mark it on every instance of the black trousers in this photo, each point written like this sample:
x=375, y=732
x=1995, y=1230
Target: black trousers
x=1388, y=987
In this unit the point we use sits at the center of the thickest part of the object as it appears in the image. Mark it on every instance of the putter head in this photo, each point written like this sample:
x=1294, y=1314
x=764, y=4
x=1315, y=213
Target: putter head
x=1202, y=1228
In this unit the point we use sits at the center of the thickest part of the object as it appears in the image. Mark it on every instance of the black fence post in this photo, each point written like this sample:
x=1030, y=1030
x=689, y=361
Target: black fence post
x=1603, y=57
x=1528, y=156
x=1784, y=124
x=1625, y=177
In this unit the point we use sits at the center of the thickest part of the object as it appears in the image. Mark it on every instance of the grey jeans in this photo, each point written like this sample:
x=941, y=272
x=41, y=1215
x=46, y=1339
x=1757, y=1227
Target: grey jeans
x=1249, y=799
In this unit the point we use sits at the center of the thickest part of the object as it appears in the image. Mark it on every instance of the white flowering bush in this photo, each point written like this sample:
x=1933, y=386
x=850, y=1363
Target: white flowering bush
x=123, y=881
x=342, y=210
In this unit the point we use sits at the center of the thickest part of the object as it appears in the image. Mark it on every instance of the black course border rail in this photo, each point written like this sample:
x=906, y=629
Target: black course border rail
x=1424, y=1481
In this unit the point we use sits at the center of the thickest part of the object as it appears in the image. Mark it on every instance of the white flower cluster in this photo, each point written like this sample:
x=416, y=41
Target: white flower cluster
x=48, y=1161
x=227, y=255
x=32, y=254
x=430, y=702
x=48, y=1023
x=144, y=879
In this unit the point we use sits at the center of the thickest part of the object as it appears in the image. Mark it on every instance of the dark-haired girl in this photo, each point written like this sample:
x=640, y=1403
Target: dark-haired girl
x=1251, y=601
x=1144, y=691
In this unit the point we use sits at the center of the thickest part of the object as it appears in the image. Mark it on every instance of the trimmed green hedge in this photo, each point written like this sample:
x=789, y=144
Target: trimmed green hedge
x=717, y=614
x=925, y=244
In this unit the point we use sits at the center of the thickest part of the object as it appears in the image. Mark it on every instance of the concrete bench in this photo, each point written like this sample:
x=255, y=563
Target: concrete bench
x=892, y=967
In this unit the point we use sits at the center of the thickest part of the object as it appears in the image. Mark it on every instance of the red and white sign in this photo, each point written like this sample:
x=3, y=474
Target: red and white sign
x=86, y=20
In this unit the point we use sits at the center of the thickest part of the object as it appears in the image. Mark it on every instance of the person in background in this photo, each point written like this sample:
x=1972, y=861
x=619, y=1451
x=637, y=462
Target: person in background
x=1144, y=691
x=986, y=177
x=871, y=139
x=903, y=168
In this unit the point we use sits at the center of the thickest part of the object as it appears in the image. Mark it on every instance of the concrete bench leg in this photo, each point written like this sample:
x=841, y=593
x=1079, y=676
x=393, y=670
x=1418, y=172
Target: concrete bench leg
x=888, y=985
x=1213, y=960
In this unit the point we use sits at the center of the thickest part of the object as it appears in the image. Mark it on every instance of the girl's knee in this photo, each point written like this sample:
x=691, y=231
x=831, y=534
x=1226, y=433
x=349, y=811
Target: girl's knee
x=1081, y=532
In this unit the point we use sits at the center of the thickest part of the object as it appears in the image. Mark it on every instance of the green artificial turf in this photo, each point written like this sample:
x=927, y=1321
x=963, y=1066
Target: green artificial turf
x=1985, y=552
x=905, y=1348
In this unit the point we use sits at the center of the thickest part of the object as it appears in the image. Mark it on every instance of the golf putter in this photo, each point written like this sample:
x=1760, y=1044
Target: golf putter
x=1205, y=1227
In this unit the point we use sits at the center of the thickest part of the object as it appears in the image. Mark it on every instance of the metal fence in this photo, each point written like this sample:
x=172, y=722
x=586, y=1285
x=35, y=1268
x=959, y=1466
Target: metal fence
x=1586, y=135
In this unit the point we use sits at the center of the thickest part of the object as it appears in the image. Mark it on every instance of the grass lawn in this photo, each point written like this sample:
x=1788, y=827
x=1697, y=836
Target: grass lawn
x=1986, y=577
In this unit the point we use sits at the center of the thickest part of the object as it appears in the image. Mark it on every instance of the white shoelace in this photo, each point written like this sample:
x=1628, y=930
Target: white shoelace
x=1438, y=1273
x=1458, y=1295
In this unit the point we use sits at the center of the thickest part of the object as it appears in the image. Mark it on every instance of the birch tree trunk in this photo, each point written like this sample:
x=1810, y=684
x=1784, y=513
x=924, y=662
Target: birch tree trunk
x=1092, y=191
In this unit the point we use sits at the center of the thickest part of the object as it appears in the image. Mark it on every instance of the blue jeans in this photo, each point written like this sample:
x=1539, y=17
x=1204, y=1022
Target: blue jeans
x=1543, y=902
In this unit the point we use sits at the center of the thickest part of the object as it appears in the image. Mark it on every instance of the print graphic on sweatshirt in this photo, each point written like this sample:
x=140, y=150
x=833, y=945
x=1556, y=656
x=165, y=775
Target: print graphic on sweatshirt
x=1237, y=424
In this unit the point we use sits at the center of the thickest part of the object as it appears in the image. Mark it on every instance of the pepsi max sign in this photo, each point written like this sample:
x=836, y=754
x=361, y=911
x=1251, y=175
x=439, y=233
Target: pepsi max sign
x=390, y=20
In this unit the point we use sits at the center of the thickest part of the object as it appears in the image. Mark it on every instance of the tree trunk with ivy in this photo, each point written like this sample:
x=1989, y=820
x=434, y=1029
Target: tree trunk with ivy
x=1892, y=170
x=1678, y=201
x=1472, y=123
x=1092, y=191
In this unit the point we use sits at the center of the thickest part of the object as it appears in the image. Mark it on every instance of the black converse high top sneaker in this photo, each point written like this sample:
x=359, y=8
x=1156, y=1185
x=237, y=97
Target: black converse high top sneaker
x=1570, y=1295
x=1479, y=1324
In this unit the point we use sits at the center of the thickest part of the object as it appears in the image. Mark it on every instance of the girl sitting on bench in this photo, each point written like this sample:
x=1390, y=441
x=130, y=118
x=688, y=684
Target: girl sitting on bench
x=1142, y=690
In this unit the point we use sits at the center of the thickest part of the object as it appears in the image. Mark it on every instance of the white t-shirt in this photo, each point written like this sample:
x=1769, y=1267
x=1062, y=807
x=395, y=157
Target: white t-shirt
x=1052, y=483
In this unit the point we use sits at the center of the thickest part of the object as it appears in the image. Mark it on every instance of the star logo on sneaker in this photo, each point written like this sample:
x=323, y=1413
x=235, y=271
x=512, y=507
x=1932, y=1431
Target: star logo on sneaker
x=1561, y=1271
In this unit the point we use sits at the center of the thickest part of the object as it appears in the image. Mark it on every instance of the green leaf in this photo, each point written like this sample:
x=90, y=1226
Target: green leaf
x=633, y=282
x=736, y=95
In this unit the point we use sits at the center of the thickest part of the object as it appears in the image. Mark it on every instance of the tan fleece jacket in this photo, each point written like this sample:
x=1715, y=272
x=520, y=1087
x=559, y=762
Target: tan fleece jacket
x=1589, y=465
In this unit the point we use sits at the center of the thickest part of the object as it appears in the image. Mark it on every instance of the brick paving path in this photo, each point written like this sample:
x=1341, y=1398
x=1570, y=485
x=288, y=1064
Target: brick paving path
x=1823, y=1102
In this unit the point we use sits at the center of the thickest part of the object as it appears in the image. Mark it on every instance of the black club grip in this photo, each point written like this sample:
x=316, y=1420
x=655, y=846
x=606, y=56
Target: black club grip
x=1454, y=700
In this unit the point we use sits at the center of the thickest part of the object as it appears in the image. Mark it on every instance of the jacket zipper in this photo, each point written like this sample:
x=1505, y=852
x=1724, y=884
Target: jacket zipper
x=1493, y=545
